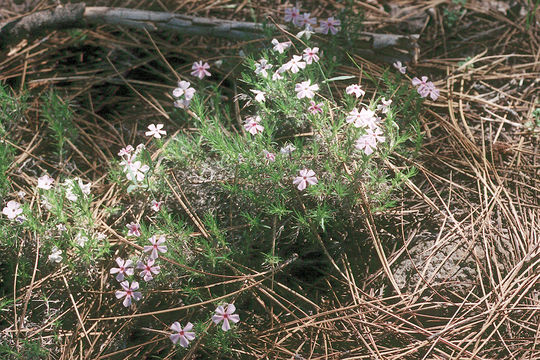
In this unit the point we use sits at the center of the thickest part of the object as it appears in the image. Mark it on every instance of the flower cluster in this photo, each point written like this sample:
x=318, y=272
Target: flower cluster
x=306, y=21
x=147, y=266
x=134, y=169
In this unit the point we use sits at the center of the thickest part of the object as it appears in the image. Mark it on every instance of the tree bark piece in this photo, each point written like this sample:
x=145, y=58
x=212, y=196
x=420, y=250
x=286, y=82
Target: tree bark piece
x=388, y=46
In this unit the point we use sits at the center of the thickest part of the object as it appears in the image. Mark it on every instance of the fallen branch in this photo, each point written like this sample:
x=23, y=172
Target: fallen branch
x=79, y=16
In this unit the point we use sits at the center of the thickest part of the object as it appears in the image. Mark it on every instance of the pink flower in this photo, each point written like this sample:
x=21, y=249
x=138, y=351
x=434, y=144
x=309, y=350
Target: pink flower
x=295, y=64
x=128, y=291
x=134, y=229
x=425, y=88
x=225, y=314
x=329, y=24
x=155, y=247
x=126, y=151
x=12, y=209
x=364, y=118
x=355, y=89
x=261, y=66
x=383, y=106
x=307, y=176
x=401, y=68
x=315, y=108
x=281, y=47
x=156, y=205
x=200, y=70
x=259, y=95
x=269, y=156
x=306, y=20
x=125, y=268
x=310, y=55
x=292, y=15
x=252, y=125
x=277, y=74
x=184, y=89
x=148, y=269
x=155, y=131
x=45, y=182
x=185, y=335
x=305, y=89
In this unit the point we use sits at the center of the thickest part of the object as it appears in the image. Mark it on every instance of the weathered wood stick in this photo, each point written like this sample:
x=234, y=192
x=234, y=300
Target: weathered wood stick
x=78, y=15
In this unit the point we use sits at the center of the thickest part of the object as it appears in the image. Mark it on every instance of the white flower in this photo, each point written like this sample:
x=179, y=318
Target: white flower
x=310, y=55
x=281, y=47
x=56, y=255
x=295, y=64
x=383, y=106
x=355, y=89
x=136, y=171
x=307, y=32
x=401, y=68
x=156, y=205
x=259, y=95
x=181, y=103
x=200, y=70
x=184, y=89
x=261, y=66
x=155, y=131
x=368, y=142
x=287, y=149
x=21, y=194
x=45, y=182
x=12, y=209
x=364, y=118
x=305, y=89
x=307, y=176
x=80, y=239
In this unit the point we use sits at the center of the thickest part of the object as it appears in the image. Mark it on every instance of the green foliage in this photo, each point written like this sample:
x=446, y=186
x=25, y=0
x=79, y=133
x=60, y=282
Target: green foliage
x=57, y=113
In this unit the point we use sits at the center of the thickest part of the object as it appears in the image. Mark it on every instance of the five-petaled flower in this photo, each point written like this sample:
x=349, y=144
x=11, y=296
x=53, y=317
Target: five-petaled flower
x=136, y=171
x=134, y=229
x=329, y=24
x=307, y=176
x=259, y=95
x=156, y=205
x=155, y=131
x=56, y=255
x=364, y=118
x=292, y=14
x=226, y=314
x=315, y=108
x=200, y=70
x=184, y=89
x=401, y=68
x=12, y=209
x=125, y=268
x=305, y=89
x=287, y=149
x=280, y=47
x=295, y=64
x=148, y=269
x=368, y=142
x=128, y=291
x=310, y=55
x=425, y=88
x=261, y=66
x=253, y=126
x=156, y=246
x=355, y=89
x=185, y=335
x=45, y=182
